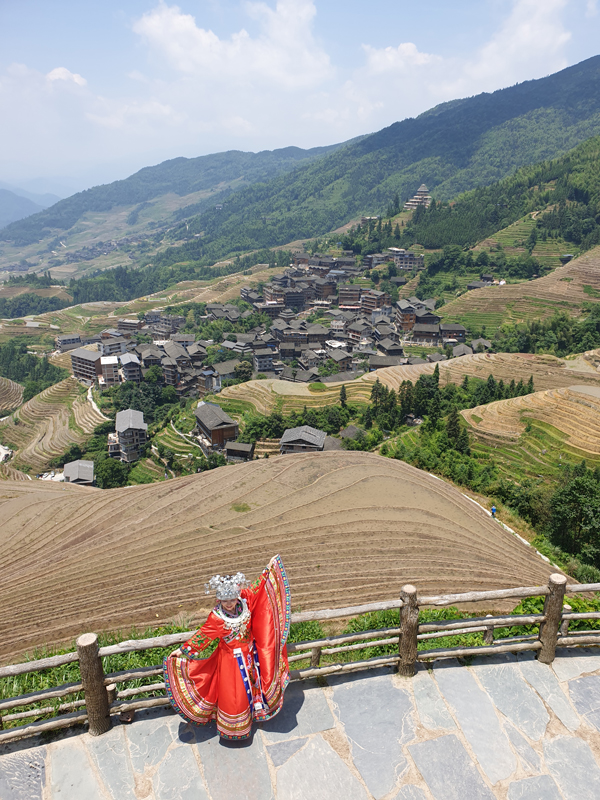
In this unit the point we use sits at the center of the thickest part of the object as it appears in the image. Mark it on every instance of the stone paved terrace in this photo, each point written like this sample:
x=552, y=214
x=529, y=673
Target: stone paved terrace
x=507, y=727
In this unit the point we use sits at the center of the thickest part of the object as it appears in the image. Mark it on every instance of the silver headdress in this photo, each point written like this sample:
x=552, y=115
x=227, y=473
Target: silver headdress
x=227, y=587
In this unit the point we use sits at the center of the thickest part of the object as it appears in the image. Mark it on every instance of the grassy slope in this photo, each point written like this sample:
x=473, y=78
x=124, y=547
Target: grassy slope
x=565, y=289
x=453, y=147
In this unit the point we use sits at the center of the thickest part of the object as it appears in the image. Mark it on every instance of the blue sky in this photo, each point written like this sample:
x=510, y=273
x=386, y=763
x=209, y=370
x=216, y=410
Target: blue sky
x=91, y=92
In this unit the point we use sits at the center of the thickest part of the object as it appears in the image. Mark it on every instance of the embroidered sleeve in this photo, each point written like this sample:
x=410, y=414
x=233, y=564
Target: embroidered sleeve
x=258, y=583
x=201, y=639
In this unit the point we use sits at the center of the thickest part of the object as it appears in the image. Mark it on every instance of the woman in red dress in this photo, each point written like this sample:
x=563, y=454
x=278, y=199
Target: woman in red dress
x=246, y=676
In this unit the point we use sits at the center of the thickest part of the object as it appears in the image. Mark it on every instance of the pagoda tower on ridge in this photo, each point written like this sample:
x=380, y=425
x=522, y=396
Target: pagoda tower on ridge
x=422, y=198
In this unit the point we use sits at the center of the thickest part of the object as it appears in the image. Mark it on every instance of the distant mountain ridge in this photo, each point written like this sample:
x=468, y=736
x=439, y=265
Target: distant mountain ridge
x=182, y=176
x=454, y=147
x=291, y=194
x=13, y=207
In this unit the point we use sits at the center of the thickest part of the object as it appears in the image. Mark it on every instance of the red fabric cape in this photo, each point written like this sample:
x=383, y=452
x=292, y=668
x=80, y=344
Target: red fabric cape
x=246, y=676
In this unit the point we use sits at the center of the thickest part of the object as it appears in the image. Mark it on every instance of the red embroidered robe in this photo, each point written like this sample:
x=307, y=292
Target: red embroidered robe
x=246, y=676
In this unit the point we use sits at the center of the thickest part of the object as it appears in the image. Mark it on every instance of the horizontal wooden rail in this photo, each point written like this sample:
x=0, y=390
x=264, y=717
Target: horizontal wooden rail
x=477, y=597
x=151, y=687
x=351, y=666
x=41, y=727
x=137, y=705
x=473, y=622
x=133, y=674
x=44, y=694
x=41, y=663
x=563, y=641
x=579, y=588
x=42, y=712
x=486, y=650
x=344, y=637
x=133, y=645
x=101, y=689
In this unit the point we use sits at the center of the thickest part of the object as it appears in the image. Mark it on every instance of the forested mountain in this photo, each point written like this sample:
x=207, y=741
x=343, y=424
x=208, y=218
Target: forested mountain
x=182, y=176
x=566, y=192
x=453, y=147
x=13, y=207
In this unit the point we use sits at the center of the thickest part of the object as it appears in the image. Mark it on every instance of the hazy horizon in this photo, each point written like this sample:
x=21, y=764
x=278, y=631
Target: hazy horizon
x=94, y=94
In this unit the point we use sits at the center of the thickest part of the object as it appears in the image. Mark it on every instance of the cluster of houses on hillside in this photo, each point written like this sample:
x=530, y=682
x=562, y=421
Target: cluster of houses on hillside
x=360, y=328
x=215, y=431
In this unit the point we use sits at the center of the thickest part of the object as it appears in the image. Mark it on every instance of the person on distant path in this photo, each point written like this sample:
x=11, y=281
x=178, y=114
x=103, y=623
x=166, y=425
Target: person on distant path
x=494, y=512
x=246, y=676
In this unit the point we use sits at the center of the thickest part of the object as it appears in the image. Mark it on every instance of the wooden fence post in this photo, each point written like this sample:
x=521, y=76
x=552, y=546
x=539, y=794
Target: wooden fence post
x=315, y=657
x=564, y=625
x=488, y=636
x=409, y=622
x=111, y=693
x=92, y=678
x=553, y=613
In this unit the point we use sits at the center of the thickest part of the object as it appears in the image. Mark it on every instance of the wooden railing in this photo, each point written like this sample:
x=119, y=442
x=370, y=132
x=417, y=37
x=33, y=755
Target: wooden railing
x=106, y=695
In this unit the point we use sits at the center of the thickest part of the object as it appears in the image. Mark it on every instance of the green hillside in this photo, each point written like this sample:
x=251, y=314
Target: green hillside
x=452, y=148
x=182, y=176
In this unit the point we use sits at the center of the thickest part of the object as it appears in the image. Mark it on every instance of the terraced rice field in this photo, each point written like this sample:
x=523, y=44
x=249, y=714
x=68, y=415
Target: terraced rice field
x=265, y=447
x=49, y=423
x=534, y=435
x=180, y=445
x=267, y=395
x=351, y=528
x=11, y=395
x=565, y=289
x=514, y=237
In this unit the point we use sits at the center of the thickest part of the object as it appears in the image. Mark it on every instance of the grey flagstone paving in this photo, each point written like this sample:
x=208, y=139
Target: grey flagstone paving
x=432, y=710
x=317, y=773
x=236, y=770
x=572, y=765
x=546, y=684
x=376, y=737
x=280, y=753
x=585, y=694
x=541, y=787
x=570, y=664
x=529, y=758
x=22, y=775
x=513, y=697
x=110, y=754
x=149, y=738
x=304, y=711
x=178, y=777
x=448, y=771
x=71, y=773
x=477, y=718
x=410, y=792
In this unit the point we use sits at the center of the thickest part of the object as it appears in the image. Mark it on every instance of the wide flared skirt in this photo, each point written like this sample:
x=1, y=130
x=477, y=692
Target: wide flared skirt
x=236, y=689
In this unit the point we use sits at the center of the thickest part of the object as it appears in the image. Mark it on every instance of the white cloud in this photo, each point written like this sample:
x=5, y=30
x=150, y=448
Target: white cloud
x=530, y=43
x=63, y=74
x=402, y=58
x=274, y=86
x=284, y=54
x=591, y=8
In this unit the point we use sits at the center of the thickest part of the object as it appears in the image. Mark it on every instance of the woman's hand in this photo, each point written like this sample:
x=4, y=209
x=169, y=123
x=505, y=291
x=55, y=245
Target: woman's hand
x=176, y=653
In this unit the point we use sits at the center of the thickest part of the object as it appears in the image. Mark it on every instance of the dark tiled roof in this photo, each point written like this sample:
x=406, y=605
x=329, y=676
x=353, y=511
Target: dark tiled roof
x=304, y=433
x=79, y=471
x=130, y=418
x=212, y=416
